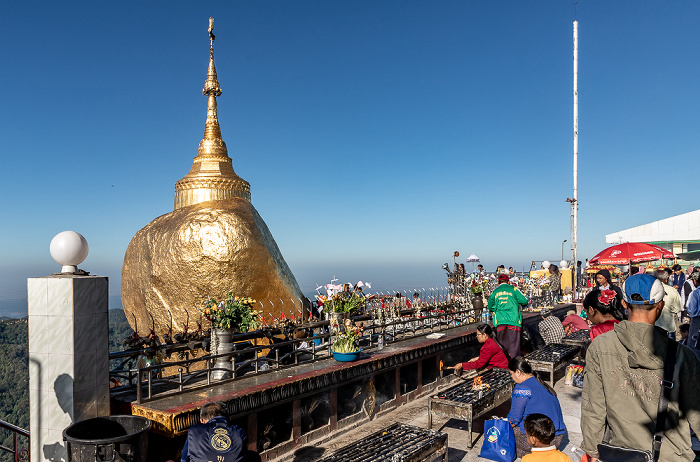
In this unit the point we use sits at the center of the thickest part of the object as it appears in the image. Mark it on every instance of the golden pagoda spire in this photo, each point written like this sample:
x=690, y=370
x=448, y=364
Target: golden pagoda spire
x=212, y=176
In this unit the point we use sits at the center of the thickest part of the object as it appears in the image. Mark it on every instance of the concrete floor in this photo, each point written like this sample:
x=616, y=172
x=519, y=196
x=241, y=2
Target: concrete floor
x=416, y=413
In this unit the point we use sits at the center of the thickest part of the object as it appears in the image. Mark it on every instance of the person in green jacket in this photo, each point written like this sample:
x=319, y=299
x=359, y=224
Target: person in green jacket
x=622, y=381
x=505, y=303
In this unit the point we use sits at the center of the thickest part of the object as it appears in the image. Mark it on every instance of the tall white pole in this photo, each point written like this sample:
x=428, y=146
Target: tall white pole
x=574, y=202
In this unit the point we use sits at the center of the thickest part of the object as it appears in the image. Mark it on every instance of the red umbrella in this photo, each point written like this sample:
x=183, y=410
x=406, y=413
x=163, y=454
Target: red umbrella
x=630, y=252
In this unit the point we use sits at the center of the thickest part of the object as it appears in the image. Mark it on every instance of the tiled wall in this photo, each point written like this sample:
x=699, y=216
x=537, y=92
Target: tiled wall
x=68, y=357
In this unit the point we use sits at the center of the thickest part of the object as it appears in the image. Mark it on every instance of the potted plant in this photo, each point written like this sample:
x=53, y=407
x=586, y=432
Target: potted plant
x=345, y=344
x=340, y=306
x=477, y=286
x=229, y=316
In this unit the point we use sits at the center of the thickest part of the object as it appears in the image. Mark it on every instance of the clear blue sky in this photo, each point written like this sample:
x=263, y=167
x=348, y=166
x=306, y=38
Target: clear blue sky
x=378, y=136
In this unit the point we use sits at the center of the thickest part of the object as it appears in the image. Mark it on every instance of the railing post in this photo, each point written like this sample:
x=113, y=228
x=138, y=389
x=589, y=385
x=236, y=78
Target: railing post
x=139, y=386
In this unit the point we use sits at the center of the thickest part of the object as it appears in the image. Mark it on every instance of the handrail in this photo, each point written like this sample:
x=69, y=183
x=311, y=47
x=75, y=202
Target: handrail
x=427, y=319
x=22, y=454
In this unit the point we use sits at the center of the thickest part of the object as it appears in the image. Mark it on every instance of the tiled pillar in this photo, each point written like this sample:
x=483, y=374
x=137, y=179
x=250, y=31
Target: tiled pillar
x=68, y=357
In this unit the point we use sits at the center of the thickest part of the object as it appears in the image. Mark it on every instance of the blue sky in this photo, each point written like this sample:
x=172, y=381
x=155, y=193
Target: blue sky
x=378, y=136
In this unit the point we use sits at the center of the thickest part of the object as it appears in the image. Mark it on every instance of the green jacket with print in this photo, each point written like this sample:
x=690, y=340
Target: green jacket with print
x=505, y=303
x=621, y=387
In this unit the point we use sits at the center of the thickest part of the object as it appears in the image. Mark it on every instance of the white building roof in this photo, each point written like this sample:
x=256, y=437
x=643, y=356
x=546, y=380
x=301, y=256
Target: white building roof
x=685, y=227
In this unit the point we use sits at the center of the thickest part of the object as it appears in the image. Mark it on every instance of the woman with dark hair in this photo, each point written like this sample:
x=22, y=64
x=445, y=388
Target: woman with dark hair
x=492, y=353
x=532, y=396
x=604, y=281
x=603, y=310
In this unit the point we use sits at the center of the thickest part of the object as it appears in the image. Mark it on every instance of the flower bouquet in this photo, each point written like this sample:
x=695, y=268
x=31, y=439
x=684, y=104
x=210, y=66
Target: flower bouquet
x=477, y=283
x=342, y=302
x=233, y=313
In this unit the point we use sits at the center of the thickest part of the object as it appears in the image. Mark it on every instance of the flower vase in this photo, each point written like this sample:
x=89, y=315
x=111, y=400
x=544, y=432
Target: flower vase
x=221, y=343
x=477, y=304
x=338, y=322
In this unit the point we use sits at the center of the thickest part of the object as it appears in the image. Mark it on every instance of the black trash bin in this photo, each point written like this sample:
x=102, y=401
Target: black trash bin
x=122, y=438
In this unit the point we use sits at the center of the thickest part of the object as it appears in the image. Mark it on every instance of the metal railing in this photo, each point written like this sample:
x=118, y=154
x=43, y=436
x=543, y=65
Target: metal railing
x=149, y=381
x=19, y=454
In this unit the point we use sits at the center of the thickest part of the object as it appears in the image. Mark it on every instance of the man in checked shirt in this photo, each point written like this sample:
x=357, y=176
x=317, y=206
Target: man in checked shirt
x=551, y=328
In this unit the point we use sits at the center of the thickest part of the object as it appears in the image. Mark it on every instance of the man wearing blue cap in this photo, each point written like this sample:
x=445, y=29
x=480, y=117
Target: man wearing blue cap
x=622, y=383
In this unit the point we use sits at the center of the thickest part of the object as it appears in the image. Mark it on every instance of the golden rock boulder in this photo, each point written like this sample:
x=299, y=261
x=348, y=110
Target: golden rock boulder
x=204, y=250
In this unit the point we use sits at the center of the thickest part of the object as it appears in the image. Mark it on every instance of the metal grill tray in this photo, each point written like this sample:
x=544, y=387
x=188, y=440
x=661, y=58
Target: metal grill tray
x=552, y=358
x=463, y=393
x=553, y=353
x=397, y=443
x=578, y=336
x=461, y=402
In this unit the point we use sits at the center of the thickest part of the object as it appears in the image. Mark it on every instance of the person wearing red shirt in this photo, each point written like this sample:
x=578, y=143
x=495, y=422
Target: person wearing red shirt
x=492, y=354
x=573, y=322
x=603, y=311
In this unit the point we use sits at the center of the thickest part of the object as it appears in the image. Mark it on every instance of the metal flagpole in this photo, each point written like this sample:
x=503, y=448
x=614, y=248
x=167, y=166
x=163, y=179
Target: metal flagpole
x=574, y=201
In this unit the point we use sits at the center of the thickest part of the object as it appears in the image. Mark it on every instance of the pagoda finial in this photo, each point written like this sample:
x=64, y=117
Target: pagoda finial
x=211, y=86
x=212, y=176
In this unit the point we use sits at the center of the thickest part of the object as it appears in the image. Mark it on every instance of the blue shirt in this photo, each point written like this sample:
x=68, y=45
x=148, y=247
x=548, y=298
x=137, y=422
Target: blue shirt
x=215, y=440
x=693, y=305
x=531, y=397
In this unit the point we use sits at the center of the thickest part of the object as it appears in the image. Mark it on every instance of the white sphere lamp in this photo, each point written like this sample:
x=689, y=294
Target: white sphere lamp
x=69, y=249
x=546, y=264
x=563, y=264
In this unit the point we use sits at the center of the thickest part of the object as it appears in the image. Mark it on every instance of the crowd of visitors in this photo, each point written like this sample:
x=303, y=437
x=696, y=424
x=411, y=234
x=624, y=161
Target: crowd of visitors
x=640, y=346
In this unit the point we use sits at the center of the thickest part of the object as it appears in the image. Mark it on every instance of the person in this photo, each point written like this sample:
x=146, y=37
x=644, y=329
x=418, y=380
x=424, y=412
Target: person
x=505, y=303
x=532, y=396
x=480, y=268
x=511, y=272
x=693, y=309
x=540, y=433
x=214, y=438
x=602, y=311
x=554, y=281
x=573, y=322
x=551, y=328
x=492, y=353
x=678, y=278
x=622, y=383
x=690, y=285
x=501, y=269
x=684, y=330
x=579, y=274
x=604, y=281
x=669, y=320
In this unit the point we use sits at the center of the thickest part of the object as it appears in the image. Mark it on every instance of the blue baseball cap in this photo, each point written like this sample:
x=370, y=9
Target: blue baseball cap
x=650, y=289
